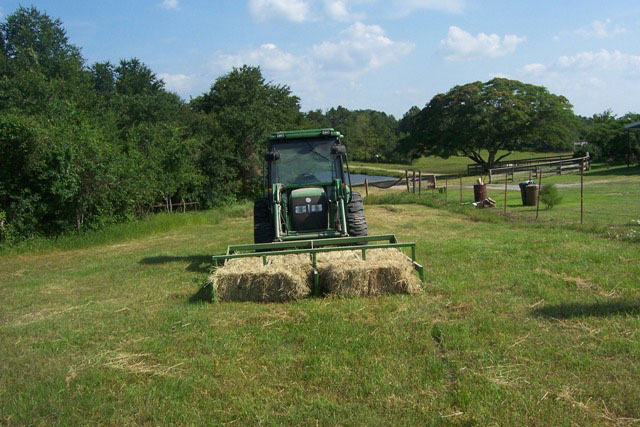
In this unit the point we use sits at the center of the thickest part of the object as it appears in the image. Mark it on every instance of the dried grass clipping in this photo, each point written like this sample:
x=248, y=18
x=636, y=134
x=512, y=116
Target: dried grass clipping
x=385, y=271
x=284, y=278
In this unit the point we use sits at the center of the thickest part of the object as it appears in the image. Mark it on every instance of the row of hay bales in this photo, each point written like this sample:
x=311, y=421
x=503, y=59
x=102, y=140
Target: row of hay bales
x=290, y=277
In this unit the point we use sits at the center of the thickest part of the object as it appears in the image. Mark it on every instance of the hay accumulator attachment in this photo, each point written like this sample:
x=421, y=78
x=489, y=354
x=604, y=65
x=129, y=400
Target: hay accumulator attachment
x=308, y=205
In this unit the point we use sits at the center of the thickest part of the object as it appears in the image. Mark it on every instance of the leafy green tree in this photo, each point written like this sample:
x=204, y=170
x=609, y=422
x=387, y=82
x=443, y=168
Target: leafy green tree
x=18, y=139
x=37, y=63
x=407, y=122
x=316, y=119
x=608, y=138
x=31, y=39
x=369, y=134
x=247, y=109
x=500, y=114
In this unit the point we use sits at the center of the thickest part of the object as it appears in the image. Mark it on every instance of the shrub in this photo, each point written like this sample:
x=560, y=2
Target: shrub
x=549, y=196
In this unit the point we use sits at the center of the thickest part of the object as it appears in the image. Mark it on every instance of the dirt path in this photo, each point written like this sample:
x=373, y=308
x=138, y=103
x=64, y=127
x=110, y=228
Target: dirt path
x=516, y=187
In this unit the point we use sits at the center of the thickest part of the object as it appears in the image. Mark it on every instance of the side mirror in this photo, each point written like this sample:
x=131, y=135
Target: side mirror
x=339, y=149
x=272, y=156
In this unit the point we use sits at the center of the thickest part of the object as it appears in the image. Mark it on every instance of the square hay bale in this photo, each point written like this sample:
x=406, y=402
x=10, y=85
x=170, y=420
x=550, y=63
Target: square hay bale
x=385, y=271
x=284, y=278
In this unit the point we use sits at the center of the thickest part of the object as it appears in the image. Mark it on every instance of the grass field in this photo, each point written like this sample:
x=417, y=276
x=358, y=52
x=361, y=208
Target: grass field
x=520, y=323
x=437, y=165
x=611, y=199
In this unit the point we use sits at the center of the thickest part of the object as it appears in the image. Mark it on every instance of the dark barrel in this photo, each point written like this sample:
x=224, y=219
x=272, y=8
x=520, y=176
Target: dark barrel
x=532, y=195
x=479, y=192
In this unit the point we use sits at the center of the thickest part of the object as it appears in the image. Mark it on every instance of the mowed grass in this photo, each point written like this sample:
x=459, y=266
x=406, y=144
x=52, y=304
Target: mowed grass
x=610, y=199
x=518, y=324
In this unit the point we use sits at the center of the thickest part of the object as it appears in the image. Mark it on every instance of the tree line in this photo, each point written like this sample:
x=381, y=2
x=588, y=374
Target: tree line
x=85, y=145
x=480, y=120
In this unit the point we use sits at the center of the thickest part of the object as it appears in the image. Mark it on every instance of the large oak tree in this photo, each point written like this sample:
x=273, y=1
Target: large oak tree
x=477, y=120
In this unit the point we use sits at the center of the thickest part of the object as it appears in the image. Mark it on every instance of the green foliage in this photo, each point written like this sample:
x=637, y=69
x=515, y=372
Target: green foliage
x=497, y=115
x=369, y=135
x=608, y=138
x=246, y=110
x=86, y=146
x=549, y=196
x=90, y=146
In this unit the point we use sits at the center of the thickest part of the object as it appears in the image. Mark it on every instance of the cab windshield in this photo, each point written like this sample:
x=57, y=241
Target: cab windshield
x=305, y=162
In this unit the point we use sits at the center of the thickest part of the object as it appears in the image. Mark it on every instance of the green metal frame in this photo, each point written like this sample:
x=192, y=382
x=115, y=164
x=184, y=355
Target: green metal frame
x=313, y=247
x=278, y=203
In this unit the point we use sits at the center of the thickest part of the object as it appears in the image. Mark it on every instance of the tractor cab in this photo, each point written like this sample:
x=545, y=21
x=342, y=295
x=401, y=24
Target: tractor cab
x=308, y=206
x=307, y=190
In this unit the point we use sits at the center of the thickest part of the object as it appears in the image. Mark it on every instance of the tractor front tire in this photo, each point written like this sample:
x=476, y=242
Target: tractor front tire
x=262, y=222
x=356, y=223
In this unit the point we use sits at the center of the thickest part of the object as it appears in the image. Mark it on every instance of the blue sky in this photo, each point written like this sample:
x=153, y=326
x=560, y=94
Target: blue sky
x=384, y=55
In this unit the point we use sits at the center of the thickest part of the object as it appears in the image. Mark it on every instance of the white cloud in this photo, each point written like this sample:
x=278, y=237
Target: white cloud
x=461, y=45
x=535, y=69
x=592, y=80
x=358, y=49
x=326, y=71
x=405, y=7
x=338, y=10
x=290, y=10
x=601, y=30
x=179, y=83
x=268, y=56
x=603, y=60
x=499, y=75
x=587, y=64
x=304, y=10
x=170, y=4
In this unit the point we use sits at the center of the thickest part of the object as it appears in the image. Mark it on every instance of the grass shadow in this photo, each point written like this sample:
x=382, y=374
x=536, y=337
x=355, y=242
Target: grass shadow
x=615, y=171
x=598, y=309
x=198, y=263
x=203, y=294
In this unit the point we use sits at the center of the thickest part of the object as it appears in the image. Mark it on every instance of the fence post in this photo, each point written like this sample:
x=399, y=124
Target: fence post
x=538, y=198
x=581, y=191
x=406, y=178
x=460, y=191
x=366, y=187
x=419, y=182
x=413, y=181
x=184, y=206
x=446, y=191
x=490, y=176
x=505, y=196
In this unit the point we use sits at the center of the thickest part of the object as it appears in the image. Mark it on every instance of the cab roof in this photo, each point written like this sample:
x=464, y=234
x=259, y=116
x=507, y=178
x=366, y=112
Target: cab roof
x=305, y=133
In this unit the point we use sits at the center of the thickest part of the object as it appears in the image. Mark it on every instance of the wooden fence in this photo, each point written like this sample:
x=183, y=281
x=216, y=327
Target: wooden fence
x=558, y=167
x=476, y=169
x=169, y=206
x=414, y=180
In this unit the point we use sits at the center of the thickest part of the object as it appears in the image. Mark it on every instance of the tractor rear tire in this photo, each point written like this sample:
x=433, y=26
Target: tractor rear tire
x=262, y=222
x=356, y=223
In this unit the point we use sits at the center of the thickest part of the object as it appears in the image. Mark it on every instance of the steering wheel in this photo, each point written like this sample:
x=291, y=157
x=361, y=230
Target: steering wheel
x=306, y=177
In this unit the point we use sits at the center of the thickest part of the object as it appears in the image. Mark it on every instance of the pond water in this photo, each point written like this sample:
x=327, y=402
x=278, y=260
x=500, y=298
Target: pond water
x=357, y=178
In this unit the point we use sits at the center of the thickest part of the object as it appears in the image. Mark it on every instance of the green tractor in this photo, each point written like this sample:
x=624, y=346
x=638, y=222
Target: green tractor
x=307, y=189
x=308, y=205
